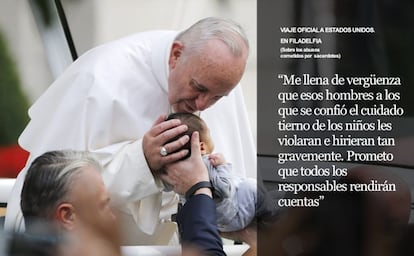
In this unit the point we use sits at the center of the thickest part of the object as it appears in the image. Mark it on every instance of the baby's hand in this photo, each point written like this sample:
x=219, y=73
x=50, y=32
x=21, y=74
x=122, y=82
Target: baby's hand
x=216, y=159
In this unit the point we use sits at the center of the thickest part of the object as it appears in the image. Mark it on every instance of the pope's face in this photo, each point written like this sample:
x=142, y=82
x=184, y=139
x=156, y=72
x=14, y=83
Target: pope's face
x=197, y=81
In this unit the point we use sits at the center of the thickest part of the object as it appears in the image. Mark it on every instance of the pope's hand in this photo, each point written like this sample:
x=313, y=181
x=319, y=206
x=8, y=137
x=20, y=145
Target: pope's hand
x=155, y=141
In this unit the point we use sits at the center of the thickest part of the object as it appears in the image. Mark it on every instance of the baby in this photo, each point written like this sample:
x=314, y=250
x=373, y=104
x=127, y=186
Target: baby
x=238, y=199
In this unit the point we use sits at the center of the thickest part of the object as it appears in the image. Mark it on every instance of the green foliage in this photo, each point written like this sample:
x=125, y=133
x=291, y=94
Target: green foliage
x=13, y=104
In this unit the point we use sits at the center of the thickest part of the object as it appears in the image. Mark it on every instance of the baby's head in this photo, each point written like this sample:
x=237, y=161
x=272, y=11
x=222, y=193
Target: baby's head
x=195, y=123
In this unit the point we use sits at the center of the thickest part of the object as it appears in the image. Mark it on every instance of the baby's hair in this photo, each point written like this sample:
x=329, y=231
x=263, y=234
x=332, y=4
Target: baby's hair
x=194, y=123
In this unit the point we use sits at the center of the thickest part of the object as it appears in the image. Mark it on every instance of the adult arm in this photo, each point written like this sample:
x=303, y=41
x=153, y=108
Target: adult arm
x=139, y=162
x=135, y=184
x=198, y=227
x=197, y=219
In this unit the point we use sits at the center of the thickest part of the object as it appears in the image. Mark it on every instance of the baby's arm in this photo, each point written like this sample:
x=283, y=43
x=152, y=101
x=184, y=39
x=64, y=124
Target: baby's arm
x=216, y=159
x=220, y=176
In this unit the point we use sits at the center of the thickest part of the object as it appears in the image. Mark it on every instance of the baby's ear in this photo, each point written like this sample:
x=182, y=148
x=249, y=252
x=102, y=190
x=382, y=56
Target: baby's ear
x=202, y=147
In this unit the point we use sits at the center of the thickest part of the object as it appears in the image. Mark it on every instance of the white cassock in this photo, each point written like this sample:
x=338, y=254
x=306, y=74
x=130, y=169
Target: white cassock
x=104, y=103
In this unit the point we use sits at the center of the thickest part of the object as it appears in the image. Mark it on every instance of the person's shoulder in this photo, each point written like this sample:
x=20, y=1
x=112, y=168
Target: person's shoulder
x=148, y=35
x=138, y=44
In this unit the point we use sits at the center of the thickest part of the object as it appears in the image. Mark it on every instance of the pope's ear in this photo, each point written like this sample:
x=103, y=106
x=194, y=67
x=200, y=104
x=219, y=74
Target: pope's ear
x=175, y=54
x=66, y=215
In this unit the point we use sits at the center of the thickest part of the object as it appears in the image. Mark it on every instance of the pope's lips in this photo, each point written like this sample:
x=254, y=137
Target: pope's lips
x=189, y=107
x=184, y=106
